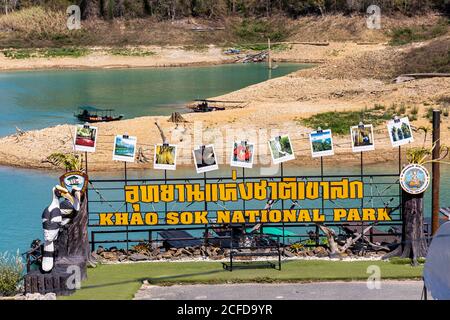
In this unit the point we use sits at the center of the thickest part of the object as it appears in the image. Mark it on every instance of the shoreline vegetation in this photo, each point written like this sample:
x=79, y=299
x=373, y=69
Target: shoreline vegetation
x=352, y=81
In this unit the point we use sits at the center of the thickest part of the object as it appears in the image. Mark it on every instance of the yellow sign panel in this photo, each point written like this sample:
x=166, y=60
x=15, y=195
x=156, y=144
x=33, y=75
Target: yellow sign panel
x=263, y=190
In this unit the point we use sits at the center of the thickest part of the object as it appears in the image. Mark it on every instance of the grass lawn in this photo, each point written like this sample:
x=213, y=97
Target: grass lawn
x=121, y=281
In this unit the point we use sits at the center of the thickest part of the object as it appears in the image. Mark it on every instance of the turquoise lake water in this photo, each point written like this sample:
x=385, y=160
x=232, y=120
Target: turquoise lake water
x=38, y=99
x=32, y=100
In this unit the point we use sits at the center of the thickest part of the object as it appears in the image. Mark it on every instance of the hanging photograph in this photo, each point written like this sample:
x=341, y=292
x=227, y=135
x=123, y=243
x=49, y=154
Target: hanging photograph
x=124, y=148
x=321, y=143
x=165, y=157
x=400, y=132
x=85, y=138
x=362, y=138
x=205, y=159
x=281, y=149
x=242, y=155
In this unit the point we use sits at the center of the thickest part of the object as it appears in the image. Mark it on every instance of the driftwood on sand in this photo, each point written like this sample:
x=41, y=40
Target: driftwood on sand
x=176, y=117
x=161, y=132
x=413, y=76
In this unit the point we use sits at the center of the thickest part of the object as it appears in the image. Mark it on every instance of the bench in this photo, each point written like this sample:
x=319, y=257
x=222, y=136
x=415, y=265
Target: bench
x=262, y=246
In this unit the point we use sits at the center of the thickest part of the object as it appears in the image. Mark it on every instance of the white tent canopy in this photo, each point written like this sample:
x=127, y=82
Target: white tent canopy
x=437, y=267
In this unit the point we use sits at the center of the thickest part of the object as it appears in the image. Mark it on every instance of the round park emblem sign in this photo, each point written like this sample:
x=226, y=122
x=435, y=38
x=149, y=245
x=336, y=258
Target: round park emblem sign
x=414, y=179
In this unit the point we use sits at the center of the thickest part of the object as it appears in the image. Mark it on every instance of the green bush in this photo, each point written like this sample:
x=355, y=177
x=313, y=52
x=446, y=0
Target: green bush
x=45, y=53
x=340, y=122
x=405, y=35
x=399, y=260
x=11, y=273
x=259, y=30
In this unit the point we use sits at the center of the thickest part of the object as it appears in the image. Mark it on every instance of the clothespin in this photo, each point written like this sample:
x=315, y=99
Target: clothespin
x=165, y=144
x=361, y=125
x=126, y=136
x=86, y=125
x=319, y=130
x=396, y=119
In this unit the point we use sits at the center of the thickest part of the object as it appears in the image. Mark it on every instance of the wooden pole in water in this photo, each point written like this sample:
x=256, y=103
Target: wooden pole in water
x=269, y=57
x=436, y=170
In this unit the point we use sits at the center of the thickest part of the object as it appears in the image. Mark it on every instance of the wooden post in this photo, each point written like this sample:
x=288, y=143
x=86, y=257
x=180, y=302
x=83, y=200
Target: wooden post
x=436, y=171
x=414, y=244
x=269, y=57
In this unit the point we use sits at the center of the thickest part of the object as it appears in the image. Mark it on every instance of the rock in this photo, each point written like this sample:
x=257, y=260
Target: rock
x=186, y=252
x=197, y=252
x=167, y=255
x=138, y=257
x=100, y=249
x=335, y=255
x=95, y=256
x=288, y=254
x=178, y=253
x=218, y=257
x=113, y=249
x=38, y=296
x=109, y=255
x=122, y=257
x=319, y=250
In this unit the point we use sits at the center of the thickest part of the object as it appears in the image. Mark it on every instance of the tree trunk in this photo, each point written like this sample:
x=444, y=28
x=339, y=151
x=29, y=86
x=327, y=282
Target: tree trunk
x=91, y=9
x=414, y=244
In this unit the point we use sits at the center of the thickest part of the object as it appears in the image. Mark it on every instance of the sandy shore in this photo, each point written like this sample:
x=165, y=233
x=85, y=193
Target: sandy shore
x=99, y=58
x=167, y=56
x=274, y=107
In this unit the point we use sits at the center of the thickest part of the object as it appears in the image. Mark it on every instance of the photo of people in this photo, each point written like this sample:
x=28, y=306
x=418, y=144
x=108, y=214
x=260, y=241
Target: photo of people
x=165, y=157
x=321, y=143
x=85, y=138
x=242, y=155
x=124, y=148
x=362, y=138
x=205, y=158
x=281, y=149
x=400, y=132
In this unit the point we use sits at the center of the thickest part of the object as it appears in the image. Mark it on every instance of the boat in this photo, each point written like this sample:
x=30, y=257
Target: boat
x=93, y=114
x=204, y=106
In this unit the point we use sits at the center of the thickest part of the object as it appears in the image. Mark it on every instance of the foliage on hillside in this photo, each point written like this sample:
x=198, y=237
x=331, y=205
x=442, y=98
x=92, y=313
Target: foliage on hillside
x=175, y=9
